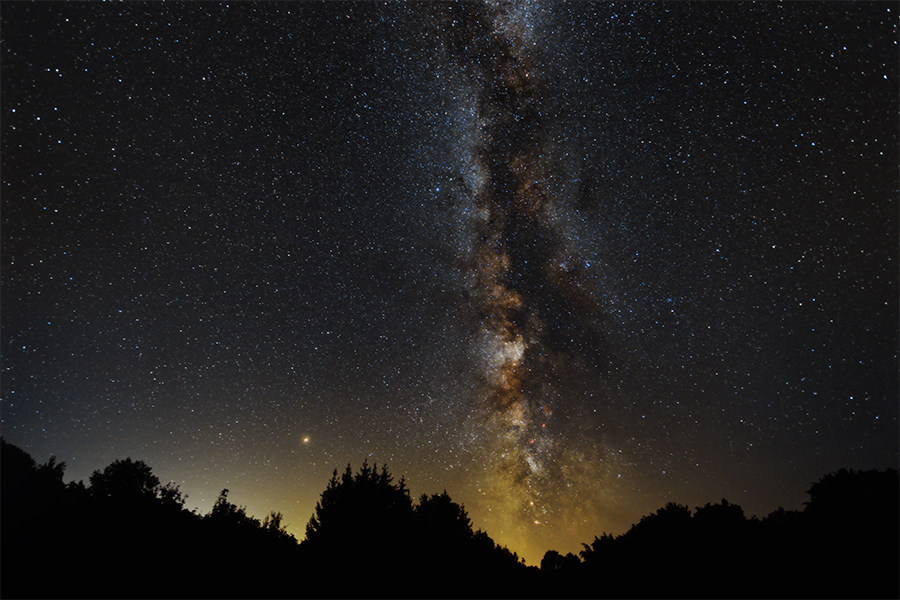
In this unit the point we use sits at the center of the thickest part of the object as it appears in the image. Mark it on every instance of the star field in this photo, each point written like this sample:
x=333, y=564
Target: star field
x=567, y=261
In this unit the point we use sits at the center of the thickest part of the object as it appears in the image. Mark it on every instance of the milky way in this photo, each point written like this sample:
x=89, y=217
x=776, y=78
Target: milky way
x=536, y=320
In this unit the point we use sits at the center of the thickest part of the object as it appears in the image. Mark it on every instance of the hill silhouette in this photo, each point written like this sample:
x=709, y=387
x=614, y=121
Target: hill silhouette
x=126, y=535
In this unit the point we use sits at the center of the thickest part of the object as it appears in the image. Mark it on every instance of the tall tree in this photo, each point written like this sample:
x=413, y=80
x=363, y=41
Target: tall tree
x=125, y=481
x=361, y=526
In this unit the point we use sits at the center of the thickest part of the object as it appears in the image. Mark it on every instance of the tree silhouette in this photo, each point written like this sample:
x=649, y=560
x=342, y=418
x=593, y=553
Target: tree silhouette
x=443, y=539
x=226, y=514
x=849, y=494
x=852, y=522
x=599, y=550
x=125, y=482
x=24, y=480
x=362, y=520
x=170, y=495
x=723, y=540
x=439, y=518
x=273, y=525
x=361, y=508
x=670, y=525
x=366, y=524
x=555, y=564
x=843, y=544
x=366, y=538
x=244, y=557
x=32, y=498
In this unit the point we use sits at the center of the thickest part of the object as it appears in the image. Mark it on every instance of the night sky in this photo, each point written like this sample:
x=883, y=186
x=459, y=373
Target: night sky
x=567, y=261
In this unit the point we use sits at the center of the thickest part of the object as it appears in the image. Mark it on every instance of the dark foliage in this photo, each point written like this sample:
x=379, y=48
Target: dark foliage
x=126, y=535
x=33, y=508
x=845, y=544
x=367, y=524
x=125, y=482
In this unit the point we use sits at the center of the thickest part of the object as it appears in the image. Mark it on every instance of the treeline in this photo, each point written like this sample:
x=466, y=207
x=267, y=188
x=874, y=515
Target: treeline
x=845, y=543
x=127, y=535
